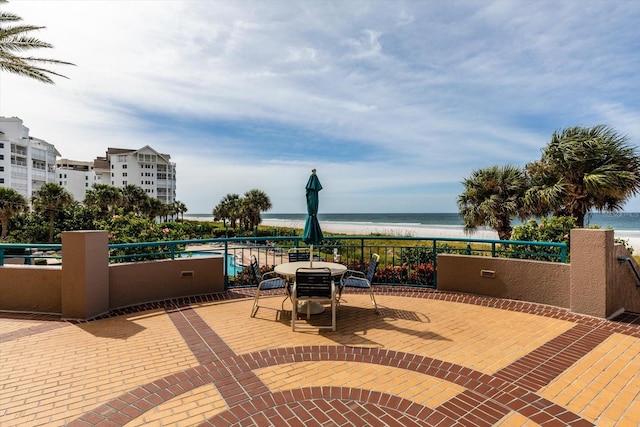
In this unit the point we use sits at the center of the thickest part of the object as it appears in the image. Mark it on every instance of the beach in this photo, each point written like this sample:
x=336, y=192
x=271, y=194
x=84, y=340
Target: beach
x=418, y=230
x=387, y=229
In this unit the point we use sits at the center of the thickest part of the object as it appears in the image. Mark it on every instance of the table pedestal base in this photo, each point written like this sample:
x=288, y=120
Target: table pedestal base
x=316, y=307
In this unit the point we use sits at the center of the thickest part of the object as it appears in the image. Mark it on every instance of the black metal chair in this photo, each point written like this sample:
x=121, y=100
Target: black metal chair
x=299, y=254
x=313, y=285
x=358, y=279
x=266, y=281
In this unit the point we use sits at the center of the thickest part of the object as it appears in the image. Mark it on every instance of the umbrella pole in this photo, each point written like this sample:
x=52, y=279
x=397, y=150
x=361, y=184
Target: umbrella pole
x=311, y=255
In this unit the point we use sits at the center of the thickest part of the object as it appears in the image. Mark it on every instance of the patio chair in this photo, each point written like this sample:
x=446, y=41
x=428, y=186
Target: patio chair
x=266, y=281
x=313, y=285
x=358, y=279
x=299, y=254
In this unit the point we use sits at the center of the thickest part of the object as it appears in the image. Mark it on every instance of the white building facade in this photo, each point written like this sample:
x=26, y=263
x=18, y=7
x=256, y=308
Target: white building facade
x=145, y=167
x=26, y=163
x=75, y=176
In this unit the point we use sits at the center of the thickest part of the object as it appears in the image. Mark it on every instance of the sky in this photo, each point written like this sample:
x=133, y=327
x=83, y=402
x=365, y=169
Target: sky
x=394, y=103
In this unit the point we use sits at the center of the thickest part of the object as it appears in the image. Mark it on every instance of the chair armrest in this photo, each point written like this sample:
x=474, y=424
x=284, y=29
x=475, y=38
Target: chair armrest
x=269, y=275
x=351, y=273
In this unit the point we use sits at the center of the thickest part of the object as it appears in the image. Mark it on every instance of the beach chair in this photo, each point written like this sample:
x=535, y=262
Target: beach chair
x=313, y=285
x=358, y=279
x=266, y=281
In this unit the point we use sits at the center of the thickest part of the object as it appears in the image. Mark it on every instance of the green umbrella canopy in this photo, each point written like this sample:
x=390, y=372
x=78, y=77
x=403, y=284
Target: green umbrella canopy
x=312, y=232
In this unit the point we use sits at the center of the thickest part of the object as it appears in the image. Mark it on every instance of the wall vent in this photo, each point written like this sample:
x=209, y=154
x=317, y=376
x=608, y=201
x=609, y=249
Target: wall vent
x=186, y=273
x=488, y=273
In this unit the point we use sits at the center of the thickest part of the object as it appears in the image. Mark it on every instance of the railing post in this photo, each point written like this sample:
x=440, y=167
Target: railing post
x=226, y=264
x=362, y=255
x=435, y=264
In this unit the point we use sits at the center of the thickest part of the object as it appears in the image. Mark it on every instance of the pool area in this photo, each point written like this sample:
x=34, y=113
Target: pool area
x=232, y=267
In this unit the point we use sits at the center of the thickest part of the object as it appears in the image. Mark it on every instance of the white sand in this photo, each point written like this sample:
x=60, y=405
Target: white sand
x=389, y=229
x=364, y=229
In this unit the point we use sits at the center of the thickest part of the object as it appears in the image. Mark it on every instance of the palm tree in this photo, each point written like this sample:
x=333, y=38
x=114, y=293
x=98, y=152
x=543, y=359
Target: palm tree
x=105, y=197
x=180, y=209
x=229, y=208
x=133, y=198
x=15, y=39
x=50, y=199
x=583, y=169
x=255, y=201
x=11, y=204
x=492, y=197
x=154, y=208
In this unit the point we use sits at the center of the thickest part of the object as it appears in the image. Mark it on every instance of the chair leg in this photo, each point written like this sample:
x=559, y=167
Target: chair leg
x=333, y=314
x=294, y=313
x=254, y=310
x=373, y=298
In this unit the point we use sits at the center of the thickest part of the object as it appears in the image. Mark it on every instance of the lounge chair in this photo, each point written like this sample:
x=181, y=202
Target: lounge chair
x=358, y=279
x=313, y=285
x=266, y=281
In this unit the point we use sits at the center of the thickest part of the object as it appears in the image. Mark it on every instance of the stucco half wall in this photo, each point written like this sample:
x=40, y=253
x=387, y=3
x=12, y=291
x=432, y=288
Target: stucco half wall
x=31, y=288
x=526, y=280
x=136, y=283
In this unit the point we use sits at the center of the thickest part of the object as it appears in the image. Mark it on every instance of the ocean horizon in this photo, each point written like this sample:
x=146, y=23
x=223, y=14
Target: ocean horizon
x=627, y=221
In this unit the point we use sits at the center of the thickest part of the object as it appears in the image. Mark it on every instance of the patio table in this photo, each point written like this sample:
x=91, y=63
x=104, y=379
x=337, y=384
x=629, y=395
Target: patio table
x=288, y=269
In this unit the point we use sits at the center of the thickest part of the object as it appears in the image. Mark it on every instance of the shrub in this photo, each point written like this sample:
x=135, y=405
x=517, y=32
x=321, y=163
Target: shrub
x=553, y=229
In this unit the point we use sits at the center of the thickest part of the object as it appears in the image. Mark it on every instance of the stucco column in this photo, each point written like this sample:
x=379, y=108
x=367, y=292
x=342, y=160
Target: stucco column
x=85, y=274
x=591, y=270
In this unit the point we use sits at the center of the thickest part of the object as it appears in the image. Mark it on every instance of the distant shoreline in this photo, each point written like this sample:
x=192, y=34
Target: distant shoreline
x=412, y=230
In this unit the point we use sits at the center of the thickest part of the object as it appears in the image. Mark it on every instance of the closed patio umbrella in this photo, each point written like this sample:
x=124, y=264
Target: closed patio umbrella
x=312, y=233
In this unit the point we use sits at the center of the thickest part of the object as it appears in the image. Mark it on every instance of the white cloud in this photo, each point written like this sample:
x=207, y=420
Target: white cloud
x=390, y=95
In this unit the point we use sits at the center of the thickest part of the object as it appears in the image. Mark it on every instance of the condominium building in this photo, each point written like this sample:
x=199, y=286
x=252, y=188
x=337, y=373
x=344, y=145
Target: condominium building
x=75, y=176
x=26, y=163
x=145, y=167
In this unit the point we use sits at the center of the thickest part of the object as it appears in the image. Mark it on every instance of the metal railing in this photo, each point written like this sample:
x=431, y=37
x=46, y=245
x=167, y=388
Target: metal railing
x=410, y=261
x=633, y=268
x=30, y=253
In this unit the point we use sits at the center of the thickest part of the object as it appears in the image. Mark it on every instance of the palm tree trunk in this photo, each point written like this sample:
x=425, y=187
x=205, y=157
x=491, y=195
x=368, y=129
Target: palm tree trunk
x=51, y=223
x=5, y=227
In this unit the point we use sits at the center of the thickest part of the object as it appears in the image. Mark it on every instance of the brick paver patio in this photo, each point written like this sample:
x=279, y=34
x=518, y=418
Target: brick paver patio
x=425, y=359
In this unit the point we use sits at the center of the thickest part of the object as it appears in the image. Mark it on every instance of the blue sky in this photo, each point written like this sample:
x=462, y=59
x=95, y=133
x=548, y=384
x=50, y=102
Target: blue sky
x=394, y=103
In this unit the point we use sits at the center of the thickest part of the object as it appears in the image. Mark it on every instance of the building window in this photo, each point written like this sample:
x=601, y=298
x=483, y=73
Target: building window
x=124, y=166
x=1, y=156
x=124, y=174
x=124, y=182
x=86, y=178
x=1, y=180
x=1, y=144
x=86, y=185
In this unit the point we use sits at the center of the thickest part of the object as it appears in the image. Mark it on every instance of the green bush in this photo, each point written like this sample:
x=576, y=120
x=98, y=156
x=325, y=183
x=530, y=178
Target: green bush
x=552, y=229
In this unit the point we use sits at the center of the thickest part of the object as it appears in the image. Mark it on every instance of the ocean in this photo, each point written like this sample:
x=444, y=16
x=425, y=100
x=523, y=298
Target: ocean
x=622, y=221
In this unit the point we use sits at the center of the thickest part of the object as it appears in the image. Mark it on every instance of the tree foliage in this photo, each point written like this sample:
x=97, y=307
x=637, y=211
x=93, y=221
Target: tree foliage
x=492, y=197
x=11, y=203
x=583, y=169
x=16, y=38
x=49, y=199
